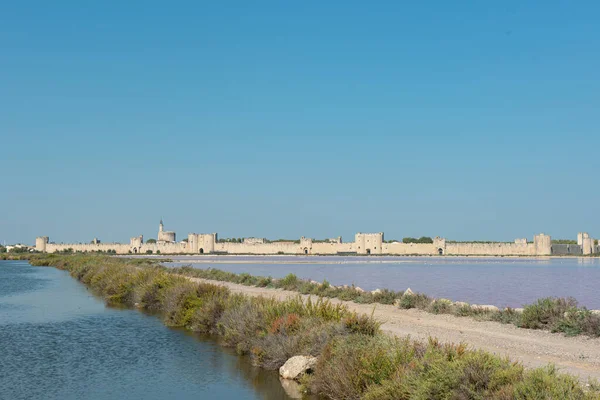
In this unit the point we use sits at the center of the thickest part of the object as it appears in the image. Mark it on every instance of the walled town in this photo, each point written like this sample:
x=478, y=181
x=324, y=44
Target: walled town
x=363, y=244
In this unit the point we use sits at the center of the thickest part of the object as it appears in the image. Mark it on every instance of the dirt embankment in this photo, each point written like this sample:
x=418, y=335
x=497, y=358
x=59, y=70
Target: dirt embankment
x=575, y=355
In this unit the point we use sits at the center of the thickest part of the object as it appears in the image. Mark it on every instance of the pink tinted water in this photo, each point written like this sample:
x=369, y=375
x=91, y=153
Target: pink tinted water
x=499, y=281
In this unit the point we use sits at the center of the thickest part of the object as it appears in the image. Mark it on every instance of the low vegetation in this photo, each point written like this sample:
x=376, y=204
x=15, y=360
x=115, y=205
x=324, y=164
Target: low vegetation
x=292, y=282
x=422, y=239
x=553, y=314
x=230, y=240
x=564, y=241
x=355, y=360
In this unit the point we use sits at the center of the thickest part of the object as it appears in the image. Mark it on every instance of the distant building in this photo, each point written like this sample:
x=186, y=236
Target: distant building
x=363, y=244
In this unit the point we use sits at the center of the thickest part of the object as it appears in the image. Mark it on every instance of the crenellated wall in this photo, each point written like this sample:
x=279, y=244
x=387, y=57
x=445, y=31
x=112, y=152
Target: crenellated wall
x=493, y=249
x=398, y=248
x=261, y=248
x=364, y=244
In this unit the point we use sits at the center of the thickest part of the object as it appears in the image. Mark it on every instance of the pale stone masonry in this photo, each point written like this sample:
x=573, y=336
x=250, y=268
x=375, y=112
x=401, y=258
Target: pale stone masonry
x=364, y=244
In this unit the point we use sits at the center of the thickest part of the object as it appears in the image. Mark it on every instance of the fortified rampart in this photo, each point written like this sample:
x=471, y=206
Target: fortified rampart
x=364, y=244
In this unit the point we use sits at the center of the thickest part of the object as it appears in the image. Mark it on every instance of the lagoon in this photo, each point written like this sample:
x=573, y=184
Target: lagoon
x=501, y=281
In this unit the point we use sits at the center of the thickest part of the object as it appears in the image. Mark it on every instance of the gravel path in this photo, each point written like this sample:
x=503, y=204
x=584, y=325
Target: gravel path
x=575, y=355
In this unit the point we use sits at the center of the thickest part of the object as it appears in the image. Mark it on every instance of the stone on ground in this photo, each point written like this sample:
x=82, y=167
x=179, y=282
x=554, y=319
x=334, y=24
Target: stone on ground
x=297, y=366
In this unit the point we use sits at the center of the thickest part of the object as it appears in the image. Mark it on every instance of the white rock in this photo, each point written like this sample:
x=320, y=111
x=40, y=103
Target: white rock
x=376, y=291
x=408, y=292
x=461, y=304
x=297, y=366
x=358, y=289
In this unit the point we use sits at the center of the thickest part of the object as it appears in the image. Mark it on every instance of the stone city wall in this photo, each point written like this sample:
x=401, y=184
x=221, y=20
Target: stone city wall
x=364, y=244
x=496, y=249
x=398, y=248
x=284, y=248
x=566, y=250
x=118, y=247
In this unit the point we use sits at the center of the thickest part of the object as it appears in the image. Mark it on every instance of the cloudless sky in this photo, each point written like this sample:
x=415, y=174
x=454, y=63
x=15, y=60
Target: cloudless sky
x=464, y=119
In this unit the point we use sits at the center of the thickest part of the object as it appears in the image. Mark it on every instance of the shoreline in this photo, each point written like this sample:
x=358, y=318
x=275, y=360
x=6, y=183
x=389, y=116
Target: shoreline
x=322, y=259
x=577, y=355
x=128, y=283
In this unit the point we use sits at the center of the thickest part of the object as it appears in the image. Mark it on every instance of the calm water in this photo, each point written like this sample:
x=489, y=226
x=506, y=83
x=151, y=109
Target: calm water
x=499, y=281
x=57, y=341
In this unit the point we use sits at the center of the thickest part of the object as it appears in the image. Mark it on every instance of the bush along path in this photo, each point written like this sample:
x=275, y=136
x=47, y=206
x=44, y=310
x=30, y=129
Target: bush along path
x=350, y=357
x=553, y=314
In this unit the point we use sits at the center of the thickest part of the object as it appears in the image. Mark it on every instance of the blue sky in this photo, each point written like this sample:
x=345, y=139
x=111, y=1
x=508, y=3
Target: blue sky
x=469, y=120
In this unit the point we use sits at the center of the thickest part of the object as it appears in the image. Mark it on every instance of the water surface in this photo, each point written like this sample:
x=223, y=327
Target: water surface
x=58, y=341
x=501, y=281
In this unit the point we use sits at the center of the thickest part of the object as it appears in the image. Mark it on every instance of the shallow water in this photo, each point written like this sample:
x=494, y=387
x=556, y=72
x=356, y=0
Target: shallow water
x=58, y=341
x=500, y=281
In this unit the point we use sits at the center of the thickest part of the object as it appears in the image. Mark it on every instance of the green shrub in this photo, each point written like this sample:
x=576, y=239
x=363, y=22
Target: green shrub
x=546, y=384
x=152, y=294
x=179, y=304
x=417, y=300
x=462, y=310
x=240, y=324
x=290, y=282
x=440, y=306
x=547, y=313
x=349, y=365
x=362, y=324
x=507, y=316
x=386, y=296
x=264, y=281
x=578, y=321
x=209, y=312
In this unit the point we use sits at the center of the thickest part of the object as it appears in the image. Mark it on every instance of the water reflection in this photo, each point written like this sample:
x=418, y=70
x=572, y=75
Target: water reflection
x=60, y=342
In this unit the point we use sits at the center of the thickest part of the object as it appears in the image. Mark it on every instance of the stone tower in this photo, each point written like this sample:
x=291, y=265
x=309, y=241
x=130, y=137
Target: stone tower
x=41, y=242
x=368, y=243
x=165, y=236
x=587, y=245
x=543, y=245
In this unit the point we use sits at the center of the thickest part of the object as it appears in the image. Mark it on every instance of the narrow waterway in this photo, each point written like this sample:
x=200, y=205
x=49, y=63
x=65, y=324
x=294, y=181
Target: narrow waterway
x=58, y=341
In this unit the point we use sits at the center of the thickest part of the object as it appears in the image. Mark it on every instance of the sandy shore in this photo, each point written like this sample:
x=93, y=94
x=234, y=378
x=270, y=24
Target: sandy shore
x=575, y=355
